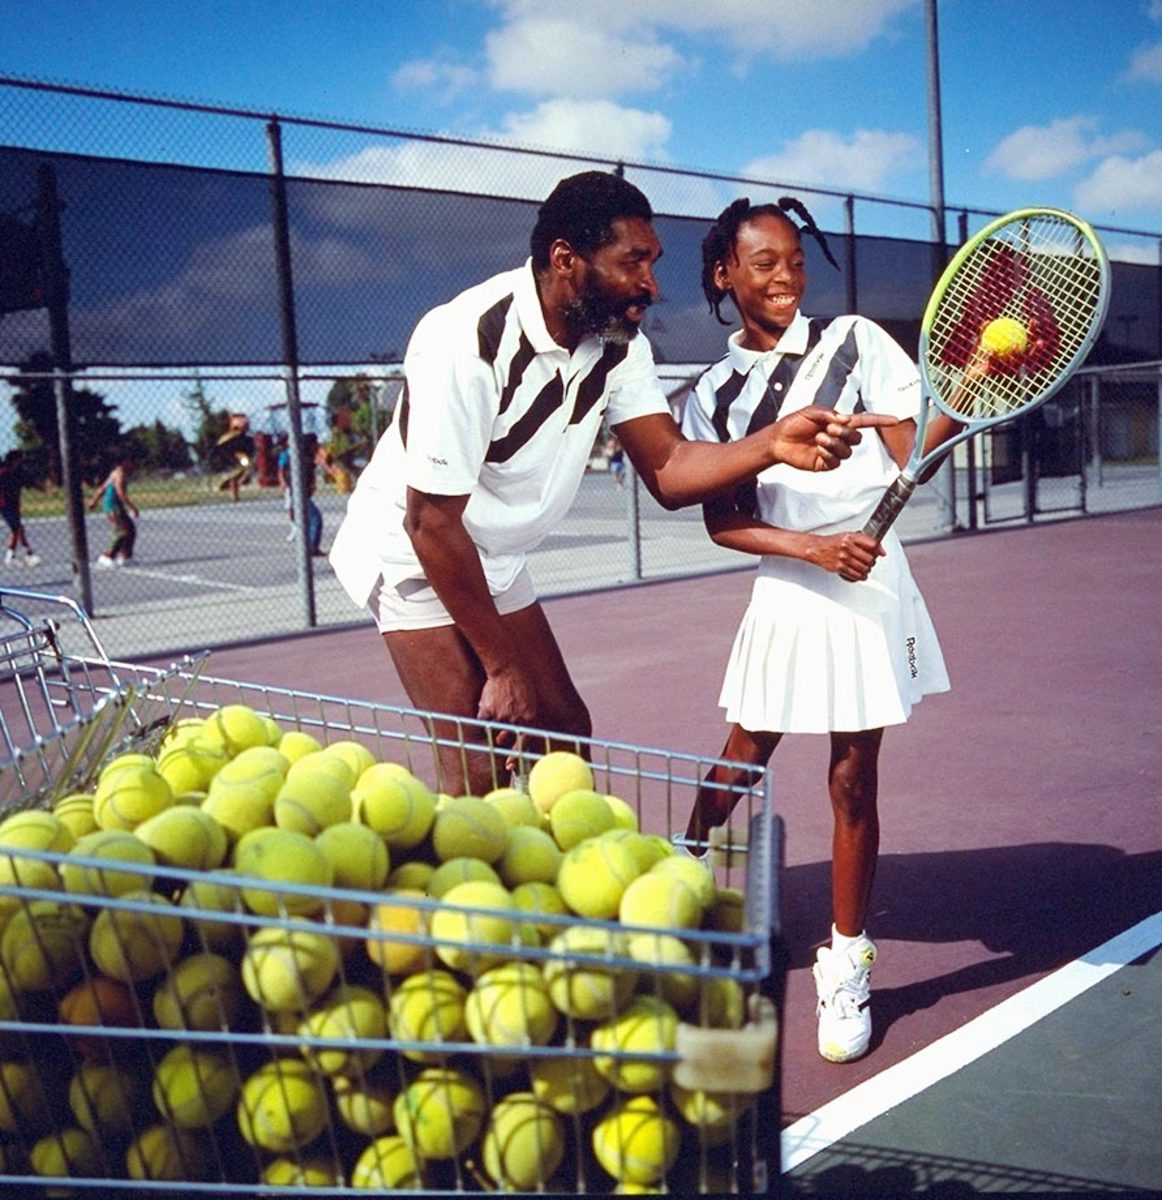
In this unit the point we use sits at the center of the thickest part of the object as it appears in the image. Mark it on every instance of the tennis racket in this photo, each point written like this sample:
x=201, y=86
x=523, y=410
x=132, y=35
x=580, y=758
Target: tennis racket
x=1012, y=317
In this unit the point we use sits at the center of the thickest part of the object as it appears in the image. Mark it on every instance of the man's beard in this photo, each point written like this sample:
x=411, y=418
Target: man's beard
x=589, y=314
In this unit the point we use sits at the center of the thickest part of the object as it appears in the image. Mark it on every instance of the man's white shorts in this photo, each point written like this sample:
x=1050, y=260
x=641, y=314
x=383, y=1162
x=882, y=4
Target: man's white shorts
x=413, y=603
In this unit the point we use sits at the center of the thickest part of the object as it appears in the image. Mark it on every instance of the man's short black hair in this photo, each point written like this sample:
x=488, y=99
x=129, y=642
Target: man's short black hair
x=582, y=209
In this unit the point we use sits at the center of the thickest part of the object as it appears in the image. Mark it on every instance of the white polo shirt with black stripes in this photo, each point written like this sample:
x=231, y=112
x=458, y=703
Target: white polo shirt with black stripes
x=849, y=364
x=492, y=408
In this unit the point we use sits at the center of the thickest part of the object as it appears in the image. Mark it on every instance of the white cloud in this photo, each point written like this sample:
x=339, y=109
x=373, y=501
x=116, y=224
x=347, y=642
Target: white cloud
x=863, y=162
x=1146, y=63
x=446, y=80
x=1120, y=184
x=592, y=127
x=570, y=56
x=1045, y=151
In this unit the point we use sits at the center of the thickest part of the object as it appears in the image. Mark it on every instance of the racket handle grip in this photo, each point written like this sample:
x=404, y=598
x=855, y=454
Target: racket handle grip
x=889, y=507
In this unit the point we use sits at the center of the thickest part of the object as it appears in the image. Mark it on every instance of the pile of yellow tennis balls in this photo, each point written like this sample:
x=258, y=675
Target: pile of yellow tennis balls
x=305, y=902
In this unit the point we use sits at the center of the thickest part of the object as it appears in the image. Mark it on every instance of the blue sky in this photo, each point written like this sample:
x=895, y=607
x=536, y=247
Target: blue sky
x=1044, y=102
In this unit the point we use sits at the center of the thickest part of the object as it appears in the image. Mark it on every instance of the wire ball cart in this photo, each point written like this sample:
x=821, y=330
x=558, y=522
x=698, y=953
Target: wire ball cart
x=248, y=947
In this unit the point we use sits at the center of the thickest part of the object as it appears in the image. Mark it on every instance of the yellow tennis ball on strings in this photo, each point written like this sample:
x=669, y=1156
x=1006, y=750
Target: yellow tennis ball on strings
x=310, y=804
x=194, y=1085
x=43, y=945
x=282, y=1106
x=347, y=1014
x=358, y=856
x=531, y=856
x=474, y=926
x=524, y=1142
x=578, y=815
x=204, y=991
x=594, y=875
x=236, y=727
x=469, y=827
x=428, y=1007
x=509, y=1005
x=24, y=1101
x=659, y=900
x=647, y=1025
x=185, y=836
x=637, y=1142
x=391, y=800
x=129, y=794
x=297, y=743
x=133, y=945
x=1004, y=337
x=167, y=1152
x=287, y=970
x=388, y=1164
x=459, y=870
x=282, y=857
x=440, y=1113
x=123, y=851
x=570, y=1083
x=103, y=1098
x=69, y=1151
x=403, y=954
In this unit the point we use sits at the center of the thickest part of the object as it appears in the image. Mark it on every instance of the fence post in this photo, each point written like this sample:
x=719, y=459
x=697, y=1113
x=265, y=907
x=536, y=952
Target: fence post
x=290, y=358
x=852, y=282
x=56, y=276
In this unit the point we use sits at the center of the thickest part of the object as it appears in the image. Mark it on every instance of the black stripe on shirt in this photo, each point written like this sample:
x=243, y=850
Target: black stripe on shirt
x=838, y=370
x=490, y=329
x=593, y=385
x=516, y=370
x=550, y=398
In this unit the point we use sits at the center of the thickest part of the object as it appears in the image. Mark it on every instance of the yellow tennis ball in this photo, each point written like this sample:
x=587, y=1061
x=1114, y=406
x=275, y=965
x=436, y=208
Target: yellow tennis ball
x=297, y=743
x=204, y=991
x=282, y=857
x=239, y=807
x=410, y=876
x=469, y=827
x=531, y=856
x=236, y=727
x=1005, y=336
x=721, y=1003
x=644, y=847
x=130, y=794
x=185, y=836
x=474, y=928
x=30, y=830
x=195, y=1085
x=569, y=1083
x=25, y=1106
x=624, y=813
x=305, y=1173
x=358, y=856
x=582, y=974
x=190, y=765
x=579, y=815
x=541, y=899
x=637, y=1142
x=524, y=1143
x=364, y=1102
x=181, y=731
x=135, y=944
x=397, y=933
x=43, y=945
x=666, y=954
x=646, y=1026
x=68, y=1152
x=309, y=804
x=215, y=893
x=168, y=1153
x=122, y=850
x=428, y=1007
x=658, y=900
x=334, y=765
x=696, y=875
x=75, y=811
x=509, y=1005
x=103, y=1098
x=728, y=912
x=459, y=870
x=388, y=1164
x=440, y=1113
x=287, y=970
x=391, y=800
x=347, y=1013
x=594, y=875
x=558, y=772
x=263, y=766
x=282, y=1106
x=713, y=1114
x=353, y=753
x=515, y=806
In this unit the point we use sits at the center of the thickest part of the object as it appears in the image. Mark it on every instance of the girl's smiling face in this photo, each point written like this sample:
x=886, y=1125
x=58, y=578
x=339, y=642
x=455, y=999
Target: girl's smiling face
x=766, y=278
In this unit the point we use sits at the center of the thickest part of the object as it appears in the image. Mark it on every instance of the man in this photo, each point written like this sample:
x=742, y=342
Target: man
x=506, y=389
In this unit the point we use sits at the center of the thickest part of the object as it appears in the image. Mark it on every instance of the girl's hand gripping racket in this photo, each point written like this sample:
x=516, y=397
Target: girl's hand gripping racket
x=1012, y=317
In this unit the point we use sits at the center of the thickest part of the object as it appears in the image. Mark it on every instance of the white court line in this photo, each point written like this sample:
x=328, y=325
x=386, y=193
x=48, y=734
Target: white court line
x=874, y=1097
x=196, y=580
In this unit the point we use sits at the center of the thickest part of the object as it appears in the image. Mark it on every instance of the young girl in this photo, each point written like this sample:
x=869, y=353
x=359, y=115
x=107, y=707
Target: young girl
x=113, y=497
x=836, y=638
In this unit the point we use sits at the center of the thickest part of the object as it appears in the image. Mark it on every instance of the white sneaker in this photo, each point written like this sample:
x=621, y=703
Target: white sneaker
x=104, y=561
x=31, y=560
x=9, y=557
x=843, y=984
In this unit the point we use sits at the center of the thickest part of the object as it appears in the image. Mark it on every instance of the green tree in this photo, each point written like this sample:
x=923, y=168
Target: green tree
x=96, y=430
x=157, y=447
x=210, y=422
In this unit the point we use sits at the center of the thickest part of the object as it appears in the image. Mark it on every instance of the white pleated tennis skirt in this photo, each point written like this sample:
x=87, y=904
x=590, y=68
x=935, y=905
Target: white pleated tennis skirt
x=816, y=654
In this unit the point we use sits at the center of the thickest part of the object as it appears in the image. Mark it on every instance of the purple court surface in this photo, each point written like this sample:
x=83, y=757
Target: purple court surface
x=1021, y=856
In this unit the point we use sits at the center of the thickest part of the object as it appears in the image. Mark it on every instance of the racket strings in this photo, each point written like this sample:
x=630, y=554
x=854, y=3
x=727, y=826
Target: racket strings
x=1040, y=274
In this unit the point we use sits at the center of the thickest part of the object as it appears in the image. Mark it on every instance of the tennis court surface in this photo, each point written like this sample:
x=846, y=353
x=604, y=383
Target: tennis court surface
x=1018, y=905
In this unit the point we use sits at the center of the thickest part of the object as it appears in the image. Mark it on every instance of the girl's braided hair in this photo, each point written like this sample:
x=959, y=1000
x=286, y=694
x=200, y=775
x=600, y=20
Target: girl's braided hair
x=719, y=242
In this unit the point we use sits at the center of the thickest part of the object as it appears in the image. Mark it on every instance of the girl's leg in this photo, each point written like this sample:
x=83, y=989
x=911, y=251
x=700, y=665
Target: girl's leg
x=723, y=786
x=853, y=784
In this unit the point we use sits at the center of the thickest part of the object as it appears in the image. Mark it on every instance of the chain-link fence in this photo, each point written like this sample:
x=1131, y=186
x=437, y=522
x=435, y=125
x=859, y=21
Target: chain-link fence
x=223, y=298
